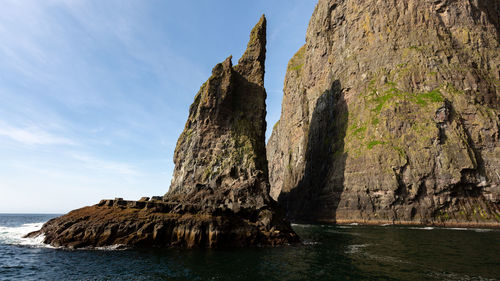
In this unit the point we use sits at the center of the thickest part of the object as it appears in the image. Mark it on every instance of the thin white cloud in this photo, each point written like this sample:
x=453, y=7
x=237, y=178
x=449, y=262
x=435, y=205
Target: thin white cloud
x=33, y=136
x=105, y=165
x=26, y=27
x=126, y=24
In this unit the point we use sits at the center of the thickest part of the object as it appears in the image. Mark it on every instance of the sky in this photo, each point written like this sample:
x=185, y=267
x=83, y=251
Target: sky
x=94, y=94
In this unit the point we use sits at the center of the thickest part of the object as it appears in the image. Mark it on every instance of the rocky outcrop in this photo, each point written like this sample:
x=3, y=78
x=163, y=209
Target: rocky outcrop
x=162, y=224
x=390, y=114
x=219, y=196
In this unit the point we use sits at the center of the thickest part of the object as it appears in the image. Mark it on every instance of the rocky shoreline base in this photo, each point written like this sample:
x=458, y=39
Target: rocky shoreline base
x=156, y=223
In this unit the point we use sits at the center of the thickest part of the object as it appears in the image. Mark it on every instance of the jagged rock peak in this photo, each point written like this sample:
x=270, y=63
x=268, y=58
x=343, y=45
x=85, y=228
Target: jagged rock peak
x=223, y=142
x=252, y=64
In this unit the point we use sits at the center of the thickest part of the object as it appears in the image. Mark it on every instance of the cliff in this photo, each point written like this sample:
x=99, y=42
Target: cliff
x=219, y=196
x=390, y=114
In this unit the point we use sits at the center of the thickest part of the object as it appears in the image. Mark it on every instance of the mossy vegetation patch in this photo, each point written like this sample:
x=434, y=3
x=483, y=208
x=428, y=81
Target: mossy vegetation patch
x=380, y=101
x=432, y=96
x=297, y=61
x=443, y=215
x=276, y=125
x=243, y=132
x=189, y=134
x=497, y=217
x=389, y=93
x=358, y=131
x=388, y=120
x=371, y=144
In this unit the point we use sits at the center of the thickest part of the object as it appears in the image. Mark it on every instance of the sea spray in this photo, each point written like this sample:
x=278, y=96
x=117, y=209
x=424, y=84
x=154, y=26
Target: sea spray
x=14, y=235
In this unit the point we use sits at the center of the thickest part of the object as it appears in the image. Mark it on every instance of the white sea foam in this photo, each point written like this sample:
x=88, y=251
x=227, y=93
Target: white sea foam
x=386, y=259
x=422, y=228
x=453, y=228
x=14, y=235
x=482, y=230
x=114, y=247
x=353, y=249
x=309, y=243
x=472, y=229
x=302, y=225
x=458, y=228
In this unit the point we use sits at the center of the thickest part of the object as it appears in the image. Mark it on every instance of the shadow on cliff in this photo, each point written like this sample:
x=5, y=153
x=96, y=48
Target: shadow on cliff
x=491, y=8
x=317, y=195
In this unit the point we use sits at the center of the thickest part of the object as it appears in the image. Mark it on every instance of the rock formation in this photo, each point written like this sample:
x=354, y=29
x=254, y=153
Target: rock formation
x=223, y=142
x=219, y=194
x=390, y=114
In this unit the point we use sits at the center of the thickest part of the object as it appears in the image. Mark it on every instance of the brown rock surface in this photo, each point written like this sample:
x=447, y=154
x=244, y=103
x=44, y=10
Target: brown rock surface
x=219, y=194
x=391, y=114
x=162, y=224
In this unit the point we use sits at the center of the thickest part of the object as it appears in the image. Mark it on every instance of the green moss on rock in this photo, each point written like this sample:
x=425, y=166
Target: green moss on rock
x=297, y=62
x=371, y=144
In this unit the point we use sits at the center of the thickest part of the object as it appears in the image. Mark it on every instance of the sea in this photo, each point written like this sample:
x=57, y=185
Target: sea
x=328, y=252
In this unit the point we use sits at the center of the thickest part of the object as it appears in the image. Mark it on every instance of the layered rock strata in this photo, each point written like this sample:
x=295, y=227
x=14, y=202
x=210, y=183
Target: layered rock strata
x=390, y=114
x=157, y=223
x=219, y=196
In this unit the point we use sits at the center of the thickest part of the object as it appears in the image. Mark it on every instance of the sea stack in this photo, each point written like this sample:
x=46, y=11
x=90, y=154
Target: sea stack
x=391, y=115
x=222, y=146
x=219, y=196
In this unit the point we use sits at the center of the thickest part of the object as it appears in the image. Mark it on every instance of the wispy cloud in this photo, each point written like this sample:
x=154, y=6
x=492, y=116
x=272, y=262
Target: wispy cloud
x=106, y=166
x=33, y=136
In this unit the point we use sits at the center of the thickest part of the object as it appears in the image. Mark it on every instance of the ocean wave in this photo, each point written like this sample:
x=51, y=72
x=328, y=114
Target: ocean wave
x=14, y=235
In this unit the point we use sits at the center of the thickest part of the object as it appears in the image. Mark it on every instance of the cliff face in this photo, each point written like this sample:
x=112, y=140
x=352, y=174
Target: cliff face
x=219, y=195
x=391, y=114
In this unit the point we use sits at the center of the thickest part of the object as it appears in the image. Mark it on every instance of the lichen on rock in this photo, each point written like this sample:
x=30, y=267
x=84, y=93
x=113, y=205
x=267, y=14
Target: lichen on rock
x=390, y=114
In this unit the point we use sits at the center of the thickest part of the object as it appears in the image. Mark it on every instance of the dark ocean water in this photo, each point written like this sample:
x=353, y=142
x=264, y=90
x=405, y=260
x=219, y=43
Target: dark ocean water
x=329, y=253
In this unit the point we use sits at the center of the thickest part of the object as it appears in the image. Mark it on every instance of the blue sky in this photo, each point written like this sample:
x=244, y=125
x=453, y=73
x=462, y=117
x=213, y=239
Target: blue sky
x=94, y=94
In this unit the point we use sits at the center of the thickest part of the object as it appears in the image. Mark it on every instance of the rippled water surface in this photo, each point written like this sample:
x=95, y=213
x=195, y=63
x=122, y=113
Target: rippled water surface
x=328, y=253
